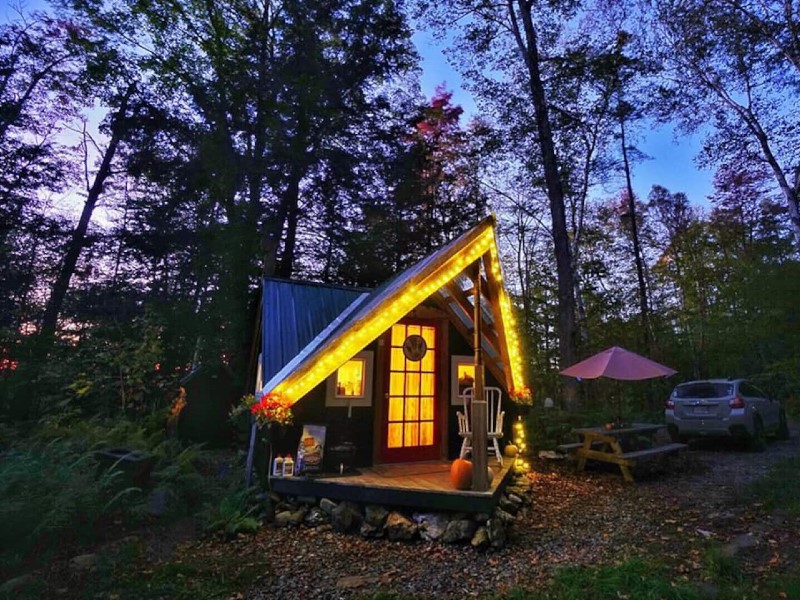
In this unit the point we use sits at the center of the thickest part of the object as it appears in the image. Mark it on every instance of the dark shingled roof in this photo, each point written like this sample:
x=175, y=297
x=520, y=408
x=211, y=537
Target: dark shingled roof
x=295, y=312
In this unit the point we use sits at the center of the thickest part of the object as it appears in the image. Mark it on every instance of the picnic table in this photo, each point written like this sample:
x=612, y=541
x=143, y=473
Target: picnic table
x=623, y=446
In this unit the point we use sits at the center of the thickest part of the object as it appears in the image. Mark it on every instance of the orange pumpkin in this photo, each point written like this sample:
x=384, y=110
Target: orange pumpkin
x=511, y=451
x=461, y=474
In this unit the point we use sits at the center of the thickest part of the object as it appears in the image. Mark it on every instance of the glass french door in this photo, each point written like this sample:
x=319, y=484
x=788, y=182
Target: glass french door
x=411, y=425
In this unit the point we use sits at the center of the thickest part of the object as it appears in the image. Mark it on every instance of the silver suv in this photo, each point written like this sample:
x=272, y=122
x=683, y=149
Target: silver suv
x=724, y=407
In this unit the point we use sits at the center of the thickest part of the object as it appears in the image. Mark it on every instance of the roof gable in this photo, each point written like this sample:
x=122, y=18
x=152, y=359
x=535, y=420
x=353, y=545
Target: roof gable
x=436, y=276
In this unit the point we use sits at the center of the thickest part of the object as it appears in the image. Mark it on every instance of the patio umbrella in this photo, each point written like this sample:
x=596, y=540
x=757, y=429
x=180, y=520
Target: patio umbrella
x=618, y=363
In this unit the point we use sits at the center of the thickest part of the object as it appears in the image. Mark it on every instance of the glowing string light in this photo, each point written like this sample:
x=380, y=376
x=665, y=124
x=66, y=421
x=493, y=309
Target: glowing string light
x=395, y=306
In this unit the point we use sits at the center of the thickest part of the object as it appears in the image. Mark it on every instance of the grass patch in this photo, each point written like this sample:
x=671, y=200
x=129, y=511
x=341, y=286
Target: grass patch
x=632, y=579
x=721, y=566
x=784, y=586
x=185, y=579
x=780, y=488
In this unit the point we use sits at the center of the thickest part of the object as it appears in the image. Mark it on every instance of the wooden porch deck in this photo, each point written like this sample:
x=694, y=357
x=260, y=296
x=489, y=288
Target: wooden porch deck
x=423, y=485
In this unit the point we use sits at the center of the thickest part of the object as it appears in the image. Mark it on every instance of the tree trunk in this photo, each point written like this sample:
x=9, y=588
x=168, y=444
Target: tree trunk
x=78, y=240
x=555, y=192
x=292, y=201
x=637, y=253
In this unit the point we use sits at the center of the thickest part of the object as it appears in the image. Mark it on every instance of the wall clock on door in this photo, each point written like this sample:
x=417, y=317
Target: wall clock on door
x=415, y=347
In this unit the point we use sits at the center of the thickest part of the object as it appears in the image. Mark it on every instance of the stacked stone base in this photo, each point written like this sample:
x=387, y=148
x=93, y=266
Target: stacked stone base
x=373, y=521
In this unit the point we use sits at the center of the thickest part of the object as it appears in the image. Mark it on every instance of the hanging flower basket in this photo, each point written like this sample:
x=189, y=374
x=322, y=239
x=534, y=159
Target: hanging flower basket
x=271, y=409
x=521, y=396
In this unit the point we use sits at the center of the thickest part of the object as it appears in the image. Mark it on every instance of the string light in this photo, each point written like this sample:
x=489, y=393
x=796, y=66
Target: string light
x=395, y=306
x=519, y=435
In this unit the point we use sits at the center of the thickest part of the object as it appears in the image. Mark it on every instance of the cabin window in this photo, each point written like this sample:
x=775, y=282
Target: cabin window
x=351, y=384
x=462, y=376
x=350, y=379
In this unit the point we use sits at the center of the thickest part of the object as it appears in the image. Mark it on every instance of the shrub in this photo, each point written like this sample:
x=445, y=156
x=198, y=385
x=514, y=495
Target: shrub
x=49, y=492
x=236, y=512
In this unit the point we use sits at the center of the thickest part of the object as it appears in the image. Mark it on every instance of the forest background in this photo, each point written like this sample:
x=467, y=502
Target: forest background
x=240, y=138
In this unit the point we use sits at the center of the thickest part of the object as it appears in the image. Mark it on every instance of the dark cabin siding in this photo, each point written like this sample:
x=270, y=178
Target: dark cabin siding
x=358, y=429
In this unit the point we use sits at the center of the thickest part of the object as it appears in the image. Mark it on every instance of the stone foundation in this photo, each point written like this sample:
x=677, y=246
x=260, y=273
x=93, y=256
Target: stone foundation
x=481, y=530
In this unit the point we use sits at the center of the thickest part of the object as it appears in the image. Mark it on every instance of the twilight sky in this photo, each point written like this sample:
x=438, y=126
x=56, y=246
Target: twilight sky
x=672, y=164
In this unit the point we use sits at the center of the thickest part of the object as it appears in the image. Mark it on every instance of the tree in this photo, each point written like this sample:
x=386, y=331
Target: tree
x=78, y=238
x=510, y=55
x=259, y=116
x=685, y=270
x=433, y=193
x=39, y=57
x=736, y=61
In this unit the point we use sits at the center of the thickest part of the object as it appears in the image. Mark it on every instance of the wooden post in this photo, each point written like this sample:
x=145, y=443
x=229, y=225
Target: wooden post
x=480, y=479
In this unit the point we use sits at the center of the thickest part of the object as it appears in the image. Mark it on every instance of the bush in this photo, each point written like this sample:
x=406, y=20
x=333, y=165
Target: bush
x=237, y=512
x=50, y=492
x=53, y=487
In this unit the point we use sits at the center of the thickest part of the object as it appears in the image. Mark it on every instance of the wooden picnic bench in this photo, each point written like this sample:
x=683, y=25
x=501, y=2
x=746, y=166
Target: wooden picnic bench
x=606, y=445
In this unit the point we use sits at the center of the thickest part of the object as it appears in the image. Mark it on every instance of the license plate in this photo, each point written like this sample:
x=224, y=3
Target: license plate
x=701, y=410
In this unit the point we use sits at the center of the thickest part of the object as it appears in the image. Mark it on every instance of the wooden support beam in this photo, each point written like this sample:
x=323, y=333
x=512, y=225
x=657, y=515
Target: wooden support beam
x=494, y=367
x=480, y=479
x=490, y=333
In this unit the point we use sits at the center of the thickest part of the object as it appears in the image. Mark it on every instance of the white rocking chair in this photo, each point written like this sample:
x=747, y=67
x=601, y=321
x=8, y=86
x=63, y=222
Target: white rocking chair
x=494, y=421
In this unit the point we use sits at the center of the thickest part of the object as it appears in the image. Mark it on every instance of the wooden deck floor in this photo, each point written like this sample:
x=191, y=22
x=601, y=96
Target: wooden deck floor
x=424, y=485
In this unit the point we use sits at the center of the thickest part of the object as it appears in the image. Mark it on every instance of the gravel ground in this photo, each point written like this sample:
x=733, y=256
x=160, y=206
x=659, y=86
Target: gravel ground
x=574, y=519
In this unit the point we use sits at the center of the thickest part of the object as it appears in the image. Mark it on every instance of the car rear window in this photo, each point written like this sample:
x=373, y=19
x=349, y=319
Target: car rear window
x=704, y=390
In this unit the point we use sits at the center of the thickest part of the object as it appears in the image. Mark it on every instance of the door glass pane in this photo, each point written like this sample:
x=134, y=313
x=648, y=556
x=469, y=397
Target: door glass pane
x=395, y=409
x=412, y=435
x=395, y=435
x=398, y=359
x=396, y=384
x=427, y=362
x=414, y=330
x=427, y=385
x=429, y=335
x=412, y=384
x=412, y=409
x=398, y=335
x=426, y=409
x=426, y=434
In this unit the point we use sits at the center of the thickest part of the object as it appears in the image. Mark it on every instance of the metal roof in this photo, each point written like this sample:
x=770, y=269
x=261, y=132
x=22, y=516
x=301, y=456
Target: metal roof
x=294, y=314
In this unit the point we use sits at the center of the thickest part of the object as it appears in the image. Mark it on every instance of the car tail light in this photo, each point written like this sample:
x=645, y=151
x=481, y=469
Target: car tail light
x=669, y=404
x=736, y=402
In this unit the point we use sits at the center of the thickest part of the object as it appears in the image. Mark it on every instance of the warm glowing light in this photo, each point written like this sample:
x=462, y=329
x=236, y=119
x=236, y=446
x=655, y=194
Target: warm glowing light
x=411, y=389
x=361, y=333
x=350, y=378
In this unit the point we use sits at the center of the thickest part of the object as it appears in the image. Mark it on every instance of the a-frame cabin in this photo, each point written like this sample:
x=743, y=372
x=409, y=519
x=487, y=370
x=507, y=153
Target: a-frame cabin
x=385, y=369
